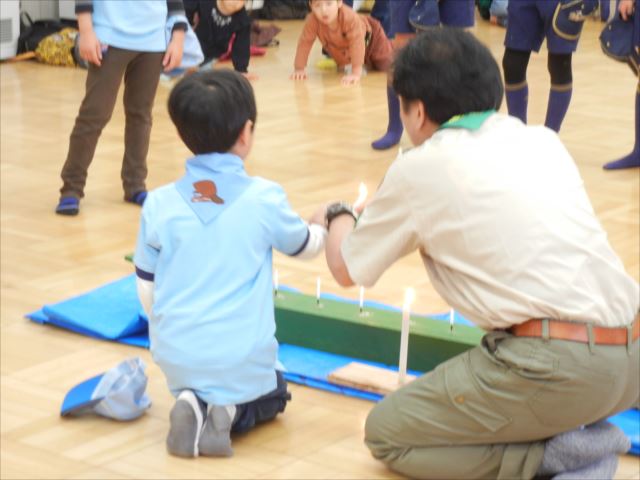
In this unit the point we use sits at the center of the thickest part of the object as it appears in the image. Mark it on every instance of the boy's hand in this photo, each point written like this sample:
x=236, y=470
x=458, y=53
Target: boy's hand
x=250, y=76
x=625, y=8
x=350, y=79
x=196, y=20
x=173, y=55
x=299, y=75
x=89, y=45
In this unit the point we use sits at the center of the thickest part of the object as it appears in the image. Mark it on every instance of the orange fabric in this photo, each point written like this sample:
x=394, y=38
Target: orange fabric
x=346, y=44
x=577, y=332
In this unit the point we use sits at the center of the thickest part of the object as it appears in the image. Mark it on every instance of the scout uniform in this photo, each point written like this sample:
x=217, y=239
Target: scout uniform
x=507, y=234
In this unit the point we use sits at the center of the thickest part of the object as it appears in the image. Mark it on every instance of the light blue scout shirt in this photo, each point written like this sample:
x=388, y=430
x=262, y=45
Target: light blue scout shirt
x=206, y=241
x=137, y=25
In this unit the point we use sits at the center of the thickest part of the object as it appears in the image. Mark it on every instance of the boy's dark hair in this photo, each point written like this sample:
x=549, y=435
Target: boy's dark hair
x=211, y=108
x=450, y=72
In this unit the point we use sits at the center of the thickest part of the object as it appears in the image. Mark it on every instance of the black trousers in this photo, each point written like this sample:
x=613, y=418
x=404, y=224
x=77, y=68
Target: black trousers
x=262, y=409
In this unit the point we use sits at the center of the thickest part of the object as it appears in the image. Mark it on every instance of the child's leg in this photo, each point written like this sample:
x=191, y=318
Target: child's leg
x=101, y=92
x=186, y=418
x=380, y=55
x=140, y=85
x=633, y=159
x=561, y=88
x=222, y=420
x=514, y=64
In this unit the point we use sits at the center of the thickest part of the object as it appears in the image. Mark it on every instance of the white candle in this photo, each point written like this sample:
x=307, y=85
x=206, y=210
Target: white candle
x=318, y=291
x=275, y=280
x=361, y=298
x=363, y=192
x=409, y=295
x=451, y=318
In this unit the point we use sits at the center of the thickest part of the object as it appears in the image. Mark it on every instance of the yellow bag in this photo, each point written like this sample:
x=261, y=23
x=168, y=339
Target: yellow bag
x=57, y=48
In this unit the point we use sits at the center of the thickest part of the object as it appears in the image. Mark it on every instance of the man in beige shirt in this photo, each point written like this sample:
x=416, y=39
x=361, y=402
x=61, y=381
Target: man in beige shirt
x=507, y=234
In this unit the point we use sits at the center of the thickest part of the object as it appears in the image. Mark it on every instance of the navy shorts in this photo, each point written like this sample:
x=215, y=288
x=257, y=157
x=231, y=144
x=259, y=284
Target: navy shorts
x=635, y=52
x=529, y=22
x=454, y=13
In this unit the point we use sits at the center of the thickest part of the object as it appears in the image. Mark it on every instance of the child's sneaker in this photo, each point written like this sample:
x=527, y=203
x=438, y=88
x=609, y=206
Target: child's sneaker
x=186, y=420
x=68, y=206
x=138, y=198
x=215, y=440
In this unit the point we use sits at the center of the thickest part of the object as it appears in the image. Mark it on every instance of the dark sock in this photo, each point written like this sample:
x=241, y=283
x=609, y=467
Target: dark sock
x=603, y=469
x=517, y=100
x=633, y=159
x=394, y=129
x=559, y=99
x=576, y=449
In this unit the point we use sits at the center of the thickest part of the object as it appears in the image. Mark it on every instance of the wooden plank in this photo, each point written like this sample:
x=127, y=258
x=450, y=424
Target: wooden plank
x=368, y=378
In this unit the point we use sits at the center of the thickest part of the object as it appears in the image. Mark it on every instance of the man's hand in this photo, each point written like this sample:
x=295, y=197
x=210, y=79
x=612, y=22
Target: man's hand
x=89, y=45
x=173, y=55
x=299, y=75
x=625, y=8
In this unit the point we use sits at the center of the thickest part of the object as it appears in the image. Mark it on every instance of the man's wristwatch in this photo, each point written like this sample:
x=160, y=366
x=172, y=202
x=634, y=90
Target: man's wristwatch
x=336, y=209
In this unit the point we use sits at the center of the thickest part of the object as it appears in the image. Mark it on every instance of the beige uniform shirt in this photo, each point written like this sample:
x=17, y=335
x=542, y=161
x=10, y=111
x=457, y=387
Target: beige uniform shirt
x=504, y=227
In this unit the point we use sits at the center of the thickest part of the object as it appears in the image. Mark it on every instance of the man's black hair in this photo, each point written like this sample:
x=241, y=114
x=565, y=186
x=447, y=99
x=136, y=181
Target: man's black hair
x=211, y=108
x=450, y=72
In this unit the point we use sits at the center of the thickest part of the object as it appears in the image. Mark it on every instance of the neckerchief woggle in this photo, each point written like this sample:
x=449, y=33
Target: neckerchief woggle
x=212, y=183
x=470, y=121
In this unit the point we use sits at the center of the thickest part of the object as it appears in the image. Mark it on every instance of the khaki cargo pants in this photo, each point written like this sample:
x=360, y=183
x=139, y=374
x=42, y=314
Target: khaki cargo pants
x=486, y=412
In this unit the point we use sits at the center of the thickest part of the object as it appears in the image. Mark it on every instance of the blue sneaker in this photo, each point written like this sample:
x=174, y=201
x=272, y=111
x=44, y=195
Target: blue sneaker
x=68, y=206
x=138, y=198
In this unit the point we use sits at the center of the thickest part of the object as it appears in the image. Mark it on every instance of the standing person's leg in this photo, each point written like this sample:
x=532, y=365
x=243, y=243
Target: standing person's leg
x=380, y=56
x=223, y=420
x=488, y=412
x=560, y=71
x=100, y=97
x=381, y=12
x=457, y=13
x=525, y=33
x=140, y=84
x=632, y=159
x=562, y=29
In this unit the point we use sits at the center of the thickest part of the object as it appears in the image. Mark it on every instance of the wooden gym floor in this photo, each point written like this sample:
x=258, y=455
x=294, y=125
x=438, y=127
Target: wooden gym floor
x=313, y=138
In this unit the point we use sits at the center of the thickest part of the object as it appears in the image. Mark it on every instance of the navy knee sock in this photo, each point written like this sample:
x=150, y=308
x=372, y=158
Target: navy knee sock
x=517, y=100
x=394, y=129
x=633, y=159
x=559, y=99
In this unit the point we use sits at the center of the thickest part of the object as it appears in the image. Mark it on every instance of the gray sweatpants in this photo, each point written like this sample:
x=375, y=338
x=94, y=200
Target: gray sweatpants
x=487, y=412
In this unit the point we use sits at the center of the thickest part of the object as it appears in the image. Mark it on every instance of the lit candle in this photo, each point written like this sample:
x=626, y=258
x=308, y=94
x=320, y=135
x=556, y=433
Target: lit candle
x=361, y=299
x=275, y=280
x=363, y=192
x=318, y=291
x=409, y=295
x=451, y=318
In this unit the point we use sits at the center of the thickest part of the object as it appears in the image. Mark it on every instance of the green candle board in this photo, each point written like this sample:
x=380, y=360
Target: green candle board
x=374, y=335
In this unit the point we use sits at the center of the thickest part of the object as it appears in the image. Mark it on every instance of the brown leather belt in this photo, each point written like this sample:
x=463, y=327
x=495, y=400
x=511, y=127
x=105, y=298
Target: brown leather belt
x=577, y=332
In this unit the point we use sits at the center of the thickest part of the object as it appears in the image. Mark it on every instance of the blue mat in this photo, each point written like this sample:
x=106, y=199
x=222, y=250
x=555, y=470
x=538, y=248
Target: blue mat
x=113, y=312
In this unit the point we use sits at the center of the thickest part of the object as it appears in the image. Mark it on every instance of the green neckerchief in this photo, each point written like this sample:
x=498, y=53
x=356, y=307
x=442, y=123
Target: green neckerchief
x=470, y=121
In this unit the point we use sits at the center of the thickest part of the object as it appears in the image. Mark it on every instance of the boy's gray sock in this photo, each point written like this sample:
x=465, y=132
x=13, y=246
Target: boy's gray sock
x=603, y=469
x=580, y=448
x=186, y=420
x=215, y=440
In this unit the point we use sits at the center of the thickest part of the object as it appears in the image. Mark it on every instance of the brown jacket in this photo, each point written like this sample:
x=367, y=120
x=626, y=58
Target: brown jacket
x=358, y=40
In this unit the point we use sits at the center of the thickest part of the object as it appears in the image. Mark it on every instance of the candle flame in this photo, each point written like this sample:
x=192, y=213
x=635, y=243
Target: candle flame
x=363, y=192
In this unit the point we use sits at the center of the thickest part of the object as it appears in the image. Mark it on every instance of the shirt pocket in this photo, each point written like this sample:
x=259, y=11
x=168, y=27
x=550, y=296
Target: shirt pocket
x=467, y=398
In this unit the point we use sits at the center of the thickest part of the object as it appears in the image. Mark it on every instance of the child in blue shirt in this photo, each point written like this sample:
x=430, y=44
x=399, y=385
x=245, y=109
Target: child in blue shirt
x=204, y=267
x=119, y=40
